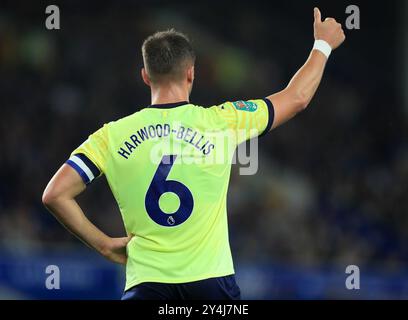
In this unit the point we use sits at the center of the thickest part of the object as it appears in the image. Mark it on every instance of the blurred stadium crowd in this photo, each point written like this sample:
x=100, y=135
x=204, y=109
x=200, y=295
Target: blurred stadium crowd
x=331, y=186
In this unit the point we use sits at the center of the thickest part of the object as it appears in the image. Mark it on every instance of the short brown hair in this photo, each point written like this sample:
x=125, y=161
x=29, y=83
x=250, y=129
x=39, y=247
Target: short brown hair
x=166, y=55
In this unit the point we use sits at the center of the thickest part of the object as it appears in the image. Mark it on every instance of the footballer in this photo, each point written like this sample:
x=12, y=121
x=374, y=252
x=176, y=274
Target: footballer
x=161, y=166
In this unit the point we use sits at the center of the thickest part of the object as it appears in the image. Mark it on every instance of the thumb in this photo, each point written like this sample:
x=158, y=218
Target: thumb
x=317, y=15
x=128, y=238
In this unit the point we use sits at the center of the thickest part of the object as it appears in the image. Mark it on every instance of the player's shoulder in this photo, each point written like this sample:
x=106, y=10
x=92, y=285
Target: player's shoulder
x=238, y=105
x=125, y=120
x=207, y=109
x=205, y=112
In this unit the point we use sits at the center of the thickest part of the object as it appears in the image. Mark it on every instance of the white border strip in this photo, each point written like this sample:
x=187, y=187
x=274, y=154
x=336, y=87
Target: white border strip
x=77, y=160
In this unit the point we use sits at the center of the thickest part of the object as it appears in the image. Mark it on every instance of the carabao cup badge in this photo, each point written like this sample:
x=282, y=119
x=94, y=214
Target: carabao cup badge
x=245, y=106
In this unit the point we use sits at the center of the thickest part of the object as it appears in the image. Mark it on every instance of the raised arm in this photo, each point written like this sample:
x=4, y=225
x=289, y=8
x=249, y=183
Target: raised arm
x=297, y=95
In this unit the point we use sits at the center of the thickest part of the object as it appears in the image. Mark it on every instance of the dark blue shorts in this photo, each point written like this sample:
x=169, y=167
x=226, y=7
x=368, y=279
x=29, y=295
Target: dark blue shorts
x=221, y=288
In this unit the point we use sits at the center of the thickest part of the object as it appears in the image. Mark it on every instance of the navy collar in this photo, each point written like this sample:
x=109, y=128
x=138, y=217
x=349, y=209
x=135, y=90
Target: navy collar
x=169, y=105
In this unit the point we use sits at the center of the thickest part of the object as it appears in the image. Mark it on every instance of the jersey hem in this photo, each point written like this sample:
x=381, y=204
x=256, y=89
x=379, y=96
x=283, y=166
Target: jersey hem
x=179, y=280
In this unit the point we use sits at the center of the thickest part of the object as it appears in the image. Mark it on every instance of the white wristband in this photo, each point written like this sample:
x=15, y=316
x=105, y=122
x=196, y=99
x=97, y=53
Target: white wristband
x=323, y=47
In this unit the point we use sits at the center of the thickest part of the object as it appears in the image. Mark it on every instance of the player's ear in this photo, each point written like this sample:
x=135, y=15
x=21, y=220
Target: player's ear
x=190, y=74
x=145, y=77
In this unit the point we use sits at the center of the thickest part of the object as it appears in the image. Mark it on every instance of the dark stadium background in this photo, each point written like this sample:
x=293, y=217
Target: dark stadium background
x=331, y=190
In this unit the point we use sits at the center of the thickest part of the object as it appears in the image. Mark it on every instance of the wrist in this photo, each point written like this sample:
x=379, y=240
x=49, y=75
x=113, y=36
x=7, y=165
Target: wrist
x=323, y=47
x=104, y=246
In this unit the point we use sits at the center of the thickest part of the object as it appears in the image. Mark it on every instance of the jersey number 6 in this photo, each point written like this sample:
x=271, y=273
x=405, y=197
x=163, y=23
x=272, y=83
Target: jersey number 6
x=161, y=185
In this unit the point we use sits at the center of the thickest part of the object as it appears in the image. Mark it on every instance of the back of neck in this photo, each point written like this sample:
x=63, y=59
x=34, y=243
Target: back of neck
x=169, y=94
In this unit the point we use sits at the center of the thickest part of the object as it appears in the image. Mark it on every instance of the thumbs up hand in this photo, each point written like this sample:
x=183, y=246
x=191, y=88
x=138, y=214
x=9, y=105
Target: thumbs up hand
x=328, y=30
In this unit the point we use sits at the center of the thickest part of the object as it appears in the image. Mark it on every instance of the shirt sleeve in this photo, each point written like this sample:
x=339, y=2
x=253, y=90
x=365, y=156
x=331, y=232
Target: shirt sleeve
x=90, y=158
x=248, y=119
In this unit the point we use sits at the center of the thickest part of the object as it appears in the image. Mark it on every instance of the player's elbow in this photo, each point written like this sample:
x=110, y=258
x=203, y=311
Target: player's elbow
x=301, y=101
x=49, y=197
x=296, y=98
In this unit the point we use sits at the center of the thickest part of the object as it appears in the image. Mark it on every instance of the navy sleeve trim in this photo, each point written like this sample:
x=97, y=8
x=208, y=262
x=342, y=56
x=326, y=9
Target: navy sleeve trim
x=271, y=116
x=85, y=167
x=96, y=172
x=78, y=169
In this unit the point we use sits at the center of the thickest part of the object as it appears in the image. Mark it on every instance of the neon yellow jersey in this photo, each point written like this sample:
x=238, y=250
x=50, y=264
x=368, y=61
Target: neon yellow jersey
x=168, y=167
